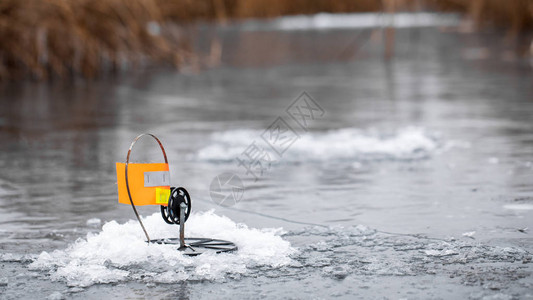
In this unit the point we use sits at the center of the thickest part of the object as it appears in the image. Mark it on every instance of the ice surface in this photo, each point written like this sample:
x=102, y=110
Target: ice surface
x=119, y=253
x=358, y=250
x=55, y=296
x=347, y=143
x=4, y=281
x=14, y=257
x=343, y=252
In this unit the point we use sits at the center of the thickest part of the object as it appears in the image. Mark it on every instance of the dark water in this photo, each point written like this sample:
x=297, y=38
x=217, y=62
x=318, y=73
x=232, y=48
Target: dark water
x=415, y=183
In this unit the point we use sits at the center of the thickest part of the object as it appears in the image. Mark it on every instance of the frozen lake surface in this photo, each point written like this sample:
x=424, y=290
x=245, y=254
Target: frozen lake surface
x=413, y=180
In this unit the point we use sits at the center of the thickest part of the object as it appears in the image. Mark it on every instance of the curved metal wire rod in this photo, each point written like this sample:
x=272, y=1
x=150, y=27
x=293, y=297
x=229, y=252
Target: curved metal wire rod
x=127, y=183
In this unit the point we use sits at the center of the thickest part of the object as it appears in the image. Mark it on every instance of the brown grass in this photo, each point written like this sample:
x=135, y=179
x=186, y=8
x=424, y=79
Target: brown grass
x=46, y=38
x=515, y=15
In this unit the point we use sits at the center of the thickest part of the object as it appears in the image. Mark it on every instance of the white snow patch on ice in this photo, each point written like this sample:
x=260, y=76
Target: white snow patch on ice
x=519, y=206
x=94, y=222
x=346, y=143
x=469, y=234
x=119, y=252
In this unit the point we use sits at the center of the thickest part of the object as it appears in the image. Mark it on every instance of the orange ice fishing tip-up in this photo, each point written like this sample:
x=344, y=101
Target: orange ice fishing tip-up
x=149, y=184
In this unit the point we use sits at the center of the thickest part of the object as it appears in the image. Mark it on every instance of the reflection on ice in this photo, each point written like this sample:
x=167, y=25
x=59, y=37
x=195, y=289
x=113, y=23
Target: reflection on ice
x=351, y=21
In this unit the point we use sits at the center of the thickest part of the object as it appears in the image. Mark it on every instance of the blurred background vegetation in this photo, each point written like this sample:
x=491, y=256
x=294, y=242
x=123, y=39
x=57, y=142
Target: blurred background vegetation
x=59, y=38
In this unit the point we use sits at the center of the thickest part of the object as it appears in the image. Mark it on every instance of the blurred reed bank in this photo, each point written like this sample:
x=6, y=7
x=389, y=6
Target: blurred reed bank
x=60, y=38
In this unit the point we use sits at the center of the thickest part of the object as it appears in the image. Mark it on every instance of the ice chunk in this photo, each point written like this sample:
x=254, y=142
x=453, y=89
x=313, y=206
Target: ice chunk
x=94, y=222
x=119, y=252
x=469, y=234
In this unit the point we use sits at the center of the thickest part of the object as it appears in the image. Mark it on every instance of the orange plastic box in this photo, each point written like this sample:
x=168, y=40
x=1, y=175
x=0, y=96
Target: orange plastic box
x=147, y=183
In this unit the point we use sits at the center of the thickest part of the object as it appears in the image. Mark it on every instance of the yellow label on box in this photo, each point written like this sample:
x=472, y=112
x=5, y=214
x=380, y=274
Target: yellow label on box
x=162, y=195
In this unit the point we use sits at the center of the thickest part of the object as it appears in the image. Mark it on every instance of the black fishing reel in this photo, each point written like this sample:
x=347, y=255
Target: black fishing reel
x=171, y=212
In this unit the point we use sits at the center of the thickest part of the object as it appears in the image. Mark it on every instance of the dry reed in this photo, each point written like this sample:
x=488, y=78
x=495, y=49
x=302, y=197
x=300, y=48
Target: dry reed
x=45, y=37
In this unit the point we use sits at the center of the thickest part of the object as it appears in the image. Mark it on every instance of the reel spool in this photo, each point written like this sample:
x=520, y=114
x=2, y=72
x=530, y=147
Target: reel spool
x=151, y=181
x=179, y=208
x=171, y=212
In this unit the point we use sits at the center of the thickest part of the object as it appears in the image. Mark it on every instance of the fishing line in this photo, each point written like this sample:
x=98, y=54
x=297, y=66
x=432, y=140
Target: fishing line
x=414, y=235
